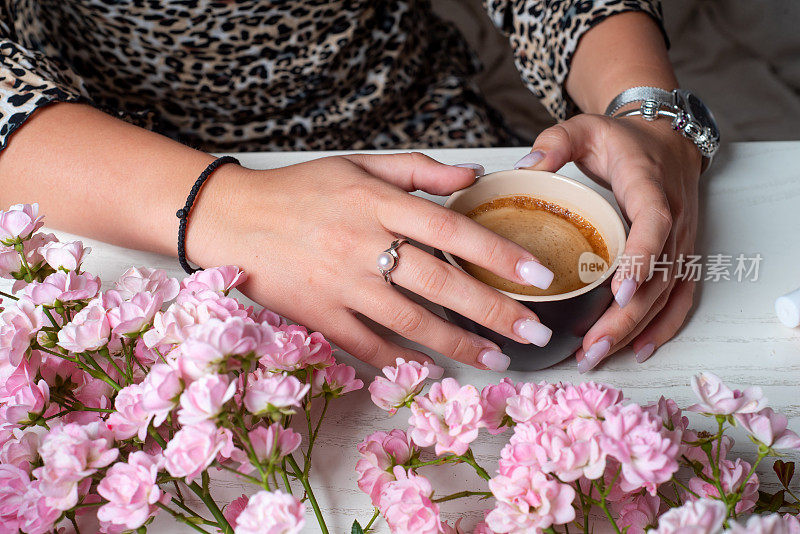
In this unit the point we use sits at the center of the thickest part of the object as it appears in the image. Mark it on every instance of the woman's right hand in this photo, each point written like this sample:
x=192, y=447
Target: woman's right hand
x=309, y=235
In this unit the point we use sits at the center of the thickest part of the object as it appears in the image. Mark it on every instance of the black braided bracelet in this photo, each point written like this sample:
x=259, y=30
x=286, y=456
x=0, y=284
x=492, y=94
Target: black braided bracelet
x=183, y=213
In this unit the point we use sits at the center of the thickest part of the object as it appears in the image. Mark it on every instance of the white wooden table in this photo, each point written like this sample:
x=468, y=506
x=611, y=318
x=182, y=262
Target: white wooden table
x=750, y=204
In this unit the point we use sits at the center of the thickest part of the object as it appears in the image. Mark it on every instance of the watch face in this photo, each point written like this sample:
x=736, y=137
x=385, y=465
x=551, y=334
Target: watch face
x=701, y=113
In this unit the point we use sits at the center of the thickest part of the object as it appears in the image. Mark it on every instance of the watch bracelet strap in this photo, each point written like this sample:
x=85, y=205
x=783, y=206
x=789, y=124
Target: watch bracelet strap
x=638, y=94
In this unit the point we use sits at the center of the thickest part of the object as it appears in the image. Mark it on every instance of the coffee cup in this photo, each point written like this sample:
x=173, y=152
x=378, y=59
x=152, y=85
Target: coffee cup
x=570, y=314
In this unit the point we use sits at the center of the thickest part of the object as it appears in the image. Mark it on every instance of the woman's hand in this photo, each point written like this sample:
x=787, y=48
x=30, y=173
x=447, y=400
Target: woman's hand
x=309, y=236
x=653, y=172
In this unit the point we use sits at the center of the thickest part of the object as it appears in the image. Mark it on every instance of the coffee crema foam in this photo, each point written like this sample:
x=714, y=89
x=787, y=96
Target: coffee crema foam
x=555, y=235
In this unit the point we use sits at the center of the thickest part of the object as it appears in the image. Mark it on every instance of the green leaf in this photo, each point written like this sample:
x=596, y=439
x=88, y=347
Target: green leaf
x=777, y=502
x=784, y=470
x=356, y=528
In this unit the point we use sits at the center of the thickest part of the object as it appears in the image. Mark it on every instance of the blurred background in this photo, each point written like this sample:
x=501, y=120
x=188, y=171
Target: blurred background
x=742, y=57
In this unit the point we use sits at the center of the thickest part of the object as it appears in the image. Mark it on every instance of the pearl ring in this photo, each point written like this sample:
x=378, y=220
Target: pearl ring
x=388, y=259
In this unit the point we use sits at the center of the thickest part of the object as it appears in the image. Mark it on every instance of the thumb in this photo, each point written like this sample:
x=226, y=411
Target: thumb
x=415, y=171
x=558, y=145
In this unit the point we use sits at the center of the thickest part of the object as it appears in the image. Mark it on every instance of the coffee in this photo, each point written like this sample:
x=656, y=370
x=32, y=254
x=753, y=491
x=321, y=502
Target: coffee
x=555, y=235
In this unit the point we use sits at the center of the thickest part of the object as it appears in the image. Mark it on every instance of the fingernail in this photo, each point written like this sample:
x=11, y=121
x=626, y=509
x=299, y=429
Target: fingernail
x=533, y=331
x=494, y=360
x=535, y=273
x=625, y=292
x=477, y=167
x=595, y=353
x=645, y=352
x=529, y=160
x=434, y=371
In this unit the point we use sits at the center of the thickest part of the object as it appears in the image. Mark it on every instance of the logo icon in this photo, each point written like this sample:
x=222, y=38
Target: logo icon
x=591, y=267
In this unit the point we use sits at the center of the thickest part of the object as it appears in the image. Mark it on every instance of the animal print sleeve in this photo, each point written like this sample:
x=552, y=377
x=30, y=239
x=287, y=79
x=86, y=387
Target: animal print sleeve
x=545, y=33
x=28, y=81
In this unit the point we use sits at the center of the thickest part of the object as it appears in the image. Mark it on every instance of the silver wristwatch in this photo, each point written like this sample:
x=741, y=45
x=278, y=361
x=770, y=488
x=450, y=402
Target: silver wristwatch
x=689, y=115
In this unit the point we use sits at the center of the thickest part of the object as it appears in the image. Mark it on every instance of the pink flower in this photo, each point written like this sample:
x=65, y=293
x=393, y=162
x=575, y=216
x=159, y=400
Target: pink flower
x=273, y=442
x=273, y=393
x=193, y=448
x=22, y=504
x=134, y=315
x=669, y=413
x=535, y=403
x=131, y=491
x=494, y=399
x=11, y=260
x=130, y=418
x=294, y=348
x=697, y=454
x=380, y=453
x=402, y=383
x=235, y=508
x=89, y=329
x=267, y=316
x=637, y=512
x=455, y=529
x=792, y=523
x=22, y=400
x=407, y=506
x=271, y=512
x=204, y=398
x=19, y=222
x=71, y=453
x=769, y=428
x=766, y=524
x=62, y=287
x=645, y=449
x=528, y=500
x=704, y=516
x=142, y=280
x=161, y=389
x=22, y=448
x=64, y=256
x=482, y=528
x=18, y=325
x=217, y=279
x=716, y=398
x=587, y=400
x=335, y=380
x=448, y=417
x=731, y=475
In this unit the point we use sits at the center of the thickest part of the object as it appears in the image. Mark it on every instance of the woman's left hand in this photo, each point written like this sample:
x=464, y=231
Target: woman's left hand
x=653, y=172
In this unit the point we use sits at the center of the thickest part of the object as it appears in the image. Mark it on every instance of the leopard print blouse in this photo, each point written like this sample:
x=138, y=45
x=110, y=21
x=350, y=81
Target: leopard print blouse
x=229, y=75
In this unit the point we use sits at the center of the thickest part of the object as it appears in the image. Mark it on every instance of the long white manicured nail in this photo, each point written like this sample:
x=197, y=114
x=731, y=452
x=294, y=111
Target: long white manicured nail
x=645, y=352
x=494, y=360
x=625, y=291
x=529, y=160
x=533, y=331
x=535, y=273
x=596, y=352
x=477, y=167
x=434, y=371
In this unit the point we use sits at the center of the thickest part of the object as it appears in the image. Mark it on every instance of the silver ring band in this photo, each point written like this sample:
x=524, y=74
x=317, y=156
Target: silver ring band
x=389, y=259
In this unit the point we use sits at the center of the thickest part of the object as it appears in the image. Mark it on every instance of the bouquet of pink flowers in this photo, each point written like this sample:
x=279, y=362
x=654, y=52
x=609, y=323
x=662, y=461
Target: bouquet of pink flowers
x=114, y=405
x=577, y=454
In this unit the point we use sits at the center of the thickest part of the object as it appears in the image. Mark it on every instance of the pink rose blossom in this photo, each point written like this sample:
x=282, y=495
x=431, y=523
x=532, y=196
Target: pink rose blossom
x=131, y=491
x=294, y=348
x=704, y=516
x=273, y=393
x=271, y=512
x=64, y=256
x=380, y=453
x=716, y=398
x=482, y=528
x=71, y=453
x=22, y=400
x=670, y=414
x=142, y=280
x=235, y=508
x=645, y=449
x=89, y=329
x=161, y=389
x=587, y=400
x=407, y=506
x=204, y=398
x=134, y=315
x=22, y=504
x=637, y=512
x=448, y=417
x=455, y=529
x=535, y=403
x=62, y=287
x=528, y=500
x=217, y=279
x=769, y=428
x=267, y=316
x=697, y=454
x=130, y=418
x=273, y=442
x=193, y=448
x=403, y=382
x=766, y=524
x=731, y=475
x=335, y=380
x=18, y=326
x=494, y=399
x=792, y=523
x=18, y=222
x=22, y=448
x=11, y=260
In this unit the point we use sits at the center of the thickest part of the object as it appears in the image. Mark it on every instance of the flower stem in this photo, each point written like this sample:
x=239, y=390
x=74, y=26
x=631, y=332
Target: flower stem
x=469, y=458
x=183, y=519
x=603, y=503
x=8, y=295
x=462, y=494
x=307, y=487
x=372, y=520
